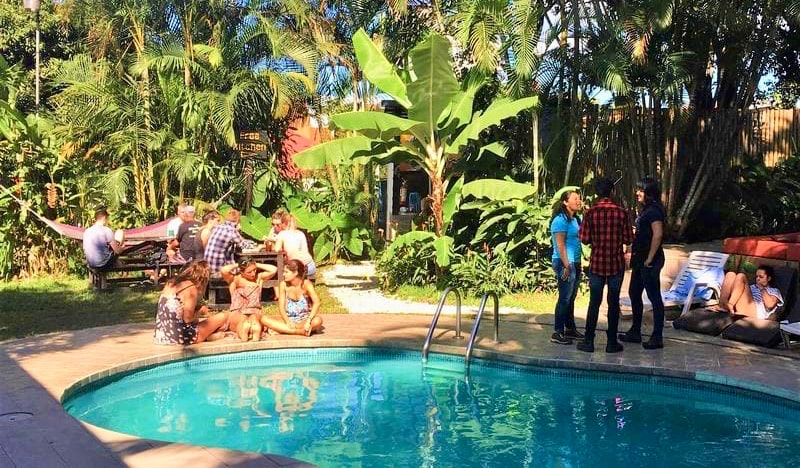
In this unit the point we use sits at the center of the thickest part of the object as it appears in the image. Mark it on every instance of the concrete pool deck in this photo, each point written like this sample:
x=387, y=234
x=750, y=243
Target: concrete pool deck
x=36, y=432
x=38, y=370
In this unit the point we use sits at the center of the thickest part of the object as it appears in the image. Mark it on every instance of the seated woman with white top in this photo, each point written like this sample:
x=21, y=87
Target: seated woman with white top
x=757, y=300
x=293, y=242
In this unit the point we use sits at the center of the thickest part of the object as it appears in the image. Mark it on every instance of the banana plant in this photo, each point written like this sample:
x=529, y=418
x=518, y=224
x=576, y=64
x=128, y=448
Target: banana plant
x=440, y=120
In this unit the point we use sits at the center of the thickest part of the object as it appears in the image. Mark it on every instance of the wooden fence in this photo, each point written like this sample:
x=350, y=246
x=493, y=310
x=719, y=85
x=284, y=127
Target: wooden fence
x=772, y=134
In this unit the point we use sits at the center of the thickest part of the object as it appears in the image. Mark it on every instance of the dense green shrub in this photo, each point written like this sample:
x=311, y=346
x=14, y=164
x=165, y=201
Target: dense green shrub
x=413, y=264
x=477, y=275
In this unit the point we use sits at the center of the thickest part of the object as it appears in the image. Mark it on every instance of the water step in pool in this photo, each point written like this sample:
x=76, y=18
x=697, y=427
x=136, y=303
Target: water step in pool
x=443, y=369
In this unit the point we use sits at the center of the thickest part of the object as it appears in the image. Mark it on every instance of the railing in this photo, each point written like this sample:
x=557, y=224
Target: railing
x=475, y=326
x=474, y=334
x=427, y=345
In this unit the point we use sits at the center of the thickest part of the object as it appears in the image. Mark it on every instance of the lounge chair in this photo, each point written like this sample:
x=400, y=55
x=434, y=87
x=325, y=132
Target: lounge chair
x=790, y=328
x=697, y=284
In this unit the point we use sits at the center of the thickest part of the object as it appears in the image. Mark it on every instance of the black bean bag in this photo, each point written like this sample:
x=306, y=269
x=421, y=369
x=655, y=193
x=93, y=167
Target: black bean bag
x=755, y=331
x=705, y=321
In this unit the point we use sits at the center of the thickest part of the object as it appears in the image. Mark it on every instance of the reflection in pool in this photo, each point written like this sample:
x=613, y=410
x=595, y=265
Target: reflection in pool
x=376, y=407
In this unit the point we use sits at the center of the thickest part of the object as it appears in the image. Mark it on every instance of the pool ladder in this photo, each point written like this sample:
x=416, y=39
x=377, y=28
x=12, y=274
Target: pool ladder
x=475, y=326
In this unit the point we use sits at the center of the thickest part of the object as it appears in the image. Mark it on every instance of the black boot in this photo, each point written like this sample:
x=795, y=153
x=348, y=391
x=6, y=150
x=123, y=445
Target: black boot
x=586, y=346
x=614, y=348
x=653, y=343
x=630, y=337
x=573, y=333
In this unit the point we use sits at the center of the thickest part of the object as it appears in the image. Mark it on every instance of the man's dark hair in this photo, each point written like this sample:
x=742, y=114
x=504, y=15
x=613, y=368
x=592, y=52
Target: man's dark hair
x=603, y=186
x=209, y=216
x=100, y=214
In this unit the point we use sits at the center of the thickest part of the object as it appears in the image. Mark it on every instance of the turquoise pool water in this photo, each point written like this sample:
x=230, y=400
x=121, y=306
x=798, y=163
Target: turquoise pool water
x=376, y=407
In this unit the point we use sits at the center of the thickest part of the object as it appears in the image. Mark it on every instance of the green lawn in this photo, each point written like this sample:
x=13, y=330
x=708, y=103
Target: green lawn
x=533, y=302
x=31, y=307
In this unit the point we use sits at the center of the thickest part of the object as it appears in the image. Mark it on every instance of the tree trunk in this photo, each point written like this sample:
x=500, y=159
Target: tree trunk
x=151, y=183
x=139, y=186
x=437, y=201
x=535, y=147
x=575, y=114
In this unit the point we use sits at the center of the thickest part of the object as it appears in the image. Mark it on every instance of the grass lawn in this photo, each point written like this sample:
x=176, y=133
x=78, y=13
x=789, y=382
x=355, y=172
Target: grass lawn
x=533, y=302
x=31, y=307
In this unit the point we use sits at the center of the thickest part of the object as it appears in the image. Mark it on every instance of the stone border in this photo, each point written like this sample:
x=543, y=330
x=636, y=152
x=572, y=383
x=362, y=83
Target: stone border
x=189, y=353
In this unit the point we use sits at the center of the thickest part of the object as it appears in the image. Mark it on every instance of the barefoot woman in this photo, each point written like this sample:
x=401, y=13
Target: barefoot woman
x=298, y=303
x=180, y=306
x=757, y=300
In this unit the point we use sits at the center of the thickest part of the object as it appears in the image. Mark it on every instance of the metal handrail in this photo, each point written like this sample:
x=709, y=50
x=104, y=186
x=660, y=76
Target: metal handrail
x=477, y=324
x=427, y=345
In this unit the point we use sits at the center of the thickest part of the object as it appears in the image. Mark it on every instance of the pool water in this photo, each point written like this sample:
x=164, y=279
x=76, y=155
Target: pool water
x=376, y=407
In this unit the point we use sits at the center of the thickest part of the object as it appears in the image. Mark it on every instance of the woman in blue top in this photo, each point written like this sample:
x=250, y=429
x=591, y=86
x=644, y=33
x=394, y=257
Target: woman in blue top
x=647, y=260
x=564, y=225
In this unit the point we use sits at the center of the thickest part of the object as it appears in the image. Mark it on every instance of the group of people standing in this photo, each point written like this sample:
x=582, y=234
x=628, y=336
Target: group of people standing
x=614, y=244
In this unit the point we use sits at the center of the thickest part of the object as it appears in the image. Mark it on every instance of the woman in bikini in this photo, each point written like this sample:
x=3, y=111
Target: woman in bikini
x=180, y=305
x=298, y=303
x=245, y=289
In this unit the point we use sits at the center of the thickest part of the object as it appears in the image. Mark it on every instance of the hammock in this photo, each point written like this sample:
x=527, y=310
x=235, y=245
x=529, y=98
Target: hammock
x=152, y=232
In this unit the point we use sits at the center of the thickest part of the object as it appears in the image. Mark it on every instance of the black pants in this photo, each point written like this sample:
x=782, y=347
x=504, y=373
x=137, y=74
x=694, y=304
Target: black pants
x=647, y=279
x=596, y=285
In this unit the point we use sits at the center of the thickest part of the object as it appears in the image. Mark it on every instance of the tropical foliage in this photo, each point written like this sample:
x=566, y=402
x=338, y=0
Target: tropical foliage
x=440, y=120
x=143, y=102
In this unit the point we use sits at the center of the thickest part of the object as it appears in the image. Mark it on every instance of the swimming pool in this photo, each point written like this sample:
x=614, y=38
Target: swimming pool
x=376, y=407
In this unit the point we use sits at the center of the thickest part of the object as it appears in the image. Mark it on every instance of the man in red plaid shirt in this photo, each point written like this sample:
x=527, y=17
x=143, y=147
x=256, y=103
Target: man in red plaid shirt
x=607, y=228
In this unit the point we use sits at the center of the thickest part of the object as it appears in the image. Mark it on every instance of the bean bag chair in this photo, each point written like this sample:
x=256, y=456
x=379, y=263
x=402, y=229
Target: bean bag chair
x=705, y=321
x=760, y=332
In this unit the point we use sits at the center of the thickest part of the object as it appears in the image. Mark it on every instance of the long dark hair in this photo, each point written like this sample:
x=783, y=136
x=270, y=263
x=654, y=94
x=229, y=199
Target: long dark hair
x=296, y=266
x=769, y=271
x=559, y=207
x=197, y=272
x=651, y=189
x=652, y=195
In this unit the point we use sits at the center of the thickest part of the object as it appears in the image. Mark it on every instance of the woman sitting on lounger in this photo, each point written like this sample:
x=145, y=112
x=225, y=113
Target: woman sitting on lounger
x=758, y=300
x=180, y=305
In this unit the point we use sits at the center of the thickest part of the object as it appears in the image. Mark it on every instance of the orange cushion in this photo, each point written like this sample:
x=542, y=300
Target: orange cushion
x=791, y=238
x=764, y=247
x=793, y=252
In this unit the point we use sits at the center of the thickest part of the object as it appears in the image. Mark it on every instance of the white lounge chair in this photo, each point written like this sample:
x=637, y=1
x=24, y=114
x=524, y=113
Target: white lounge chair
x=790, y=328
x=698, y=283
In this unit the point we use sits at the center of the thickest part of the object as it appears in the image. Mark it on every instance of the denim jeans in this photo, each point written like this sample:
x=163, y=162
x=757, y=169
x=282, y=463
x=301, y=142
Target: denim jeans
x=567, y=290
x=647, y=279
x=596, y=285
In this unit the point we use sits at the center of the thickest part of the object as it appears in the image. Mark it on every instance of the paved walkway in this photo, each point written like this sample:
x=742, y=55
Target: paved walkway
x=355, y=285
x=36, y=432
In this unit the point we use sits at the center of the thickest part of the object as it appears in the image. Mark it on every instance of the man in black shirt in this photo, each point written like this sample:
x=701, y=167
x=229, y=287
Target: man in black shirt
x=187, y=233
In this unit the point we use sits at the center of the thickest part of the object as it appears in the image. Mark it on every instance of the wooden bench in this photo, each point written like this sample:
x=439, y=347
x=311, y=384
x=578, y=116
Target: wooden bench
x=99, y=278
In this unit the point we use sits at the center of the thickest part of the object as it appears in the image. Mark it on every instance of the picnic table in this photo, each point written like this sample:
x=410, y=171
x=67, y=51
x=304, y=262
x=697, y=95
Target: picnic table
x=144, y=257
